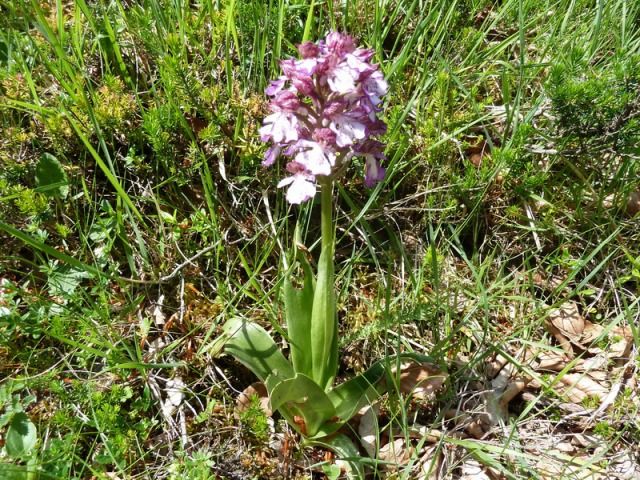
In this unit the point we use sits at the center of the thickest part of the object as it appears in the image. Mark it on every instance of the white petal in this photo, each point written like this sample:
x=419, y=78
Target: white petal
x=300, y=190
x=342, y=80
x=285, y=181
x=347, y=130
x=314, y=159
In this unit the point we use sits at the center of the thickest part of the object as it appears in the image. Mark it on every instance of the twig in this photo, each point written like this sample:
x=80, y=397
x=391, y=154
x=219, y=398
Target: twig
x=188, y=261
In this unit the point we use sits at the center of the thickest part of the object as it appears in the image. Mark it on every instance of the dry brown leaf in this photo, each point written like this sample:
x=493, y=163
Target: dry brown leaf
x=633, y=204
x=577, y=387
x=565, y=447
x=591, y=332
x=256, y=389
x=429, y=465
x=620, y=340
x=552, y=469
x=552, y=361
x=568, y=320
x=396, y=453
x=592, y=364
x=367, y=429
x=473, y=470
x=625, y=467
x=421, y=380
x=586, y=441
x=494, y=366
x=562, y=340
x=512, y=390
x=429, y=435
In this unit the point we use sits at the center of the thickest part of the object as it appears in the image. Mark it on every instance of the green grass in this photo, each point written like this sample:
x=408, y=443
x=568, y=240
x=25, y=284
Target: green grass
x=512, y=151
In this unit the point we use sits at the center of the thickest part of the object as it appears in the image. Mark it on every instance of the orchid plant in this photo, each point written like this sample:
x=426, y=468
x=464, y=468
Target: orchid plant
x=324, y=112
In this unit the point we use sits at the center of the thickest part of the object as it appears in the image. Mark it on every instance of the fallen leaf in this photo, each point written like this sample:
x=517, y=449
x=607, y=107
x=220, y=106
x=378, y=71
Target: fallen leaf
x=174, y=392
x=551, y=361
x=429, y=464
x=568, y=320
x=396, y=453
x=620, y=340
x=368, y=429
x=586, y=441
x=421, y=380
x=625, y=467
x=473, y=470
x=578, y=387
x=158, y=315
x=591, y=332
x=633, y=204
x=257, y=389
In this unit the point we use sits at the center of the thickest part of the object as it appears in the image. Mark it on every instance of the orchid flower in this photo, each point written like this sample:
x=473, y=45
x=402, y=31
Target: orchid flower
x=323, y=113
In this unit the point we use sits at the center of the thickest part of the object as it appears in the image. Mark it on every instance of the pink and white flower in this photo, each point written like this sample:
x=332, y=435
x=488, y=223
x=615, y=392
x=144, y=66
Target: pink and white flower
x=324, y=112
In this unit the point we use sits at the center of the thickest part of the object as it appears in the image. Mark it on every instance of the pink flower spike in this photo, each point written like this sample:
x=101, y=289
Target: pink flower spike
x=324, y=111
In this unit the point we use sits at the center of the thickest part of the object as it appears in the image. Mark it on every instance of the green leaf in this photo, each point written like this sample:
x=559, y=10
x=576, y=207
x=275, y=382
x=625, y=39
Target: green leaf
x=21, y=436
x=301, y=397
x=51, y=177
x=352, y=395
x=6, y=417
x=332, y=471
x=349, y=397
x=63, y=280
x=298, y=305
x=252, y=346
x=345, y=450
x=324, y=331
x=9, y=471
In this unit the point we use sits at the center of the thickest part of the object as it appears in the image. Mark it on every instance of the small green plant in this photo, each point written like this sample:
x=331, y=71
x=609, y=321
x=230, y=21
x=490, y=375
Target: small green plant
x=255, y=419
x=20, y=435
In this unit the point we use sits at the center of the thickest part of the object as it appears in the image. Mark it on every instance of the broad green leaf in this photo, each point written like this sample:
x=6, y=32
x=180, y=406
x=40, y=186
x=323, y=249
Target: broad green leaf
x=301, y=397
x=298, y=304
x=345, y=450
x=349, y=397
x=352, y=395
x=51, y=177
x=21, y=436
x=324, y=331
x=252, y=346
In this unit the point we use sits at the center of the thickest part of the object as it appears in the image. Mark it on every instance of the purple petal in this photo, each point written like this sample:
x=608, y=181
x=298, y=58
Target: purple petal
x=279, y=126
x=342, y=79
x=340, y=44
x=271, y=155
x=373, y=171
x=275, y=86
x=308, y=50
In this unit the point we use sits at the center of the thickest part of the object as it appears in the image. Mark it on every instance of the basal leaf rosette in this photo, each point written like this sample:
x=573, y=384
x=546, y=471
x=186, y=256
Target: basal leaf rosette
x=323, y=113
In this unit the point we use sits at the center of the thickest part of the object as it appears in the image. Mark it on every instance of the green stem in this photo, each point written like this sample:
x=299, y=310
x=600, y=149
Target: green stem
x=326, y=199
x=324, y=323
